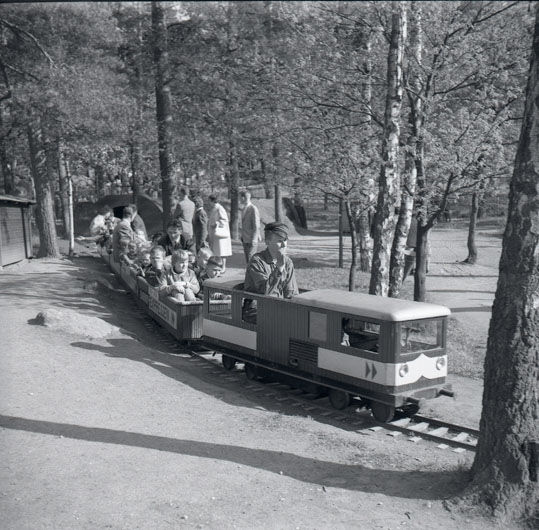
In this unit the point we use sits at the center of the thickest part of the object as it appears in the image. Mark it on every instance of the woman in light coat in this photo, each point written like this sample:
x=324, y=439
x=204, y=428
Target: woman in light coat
x=220, y=242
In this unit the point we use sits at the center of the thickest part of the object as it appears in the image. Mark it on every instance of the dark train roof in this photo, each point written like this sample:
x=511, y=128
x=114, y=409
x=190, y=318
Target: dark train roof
x=370, y=306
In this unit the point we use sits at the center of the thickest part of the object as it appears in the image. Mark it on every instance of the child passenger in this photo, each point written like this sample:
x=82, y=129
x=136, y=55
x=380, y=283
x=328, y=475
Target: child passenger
x=155, y=274
x=182, y=284
x=144, y=262
x=128, y=251
x=202, y=258
x=214, y=268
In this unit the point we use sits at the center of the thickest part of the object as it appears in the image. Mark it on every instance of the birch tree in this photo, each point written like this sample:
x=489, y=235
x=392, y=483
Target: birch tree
x=410, y=169
x=384, y=223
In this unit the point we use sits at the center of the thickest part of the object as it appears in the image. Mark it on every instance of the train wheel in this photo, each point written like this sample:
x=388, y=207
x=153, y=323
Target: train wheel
x=382, y=412
x=250, y=371
x=228, y=362
x=410, y=409
x=339, y=399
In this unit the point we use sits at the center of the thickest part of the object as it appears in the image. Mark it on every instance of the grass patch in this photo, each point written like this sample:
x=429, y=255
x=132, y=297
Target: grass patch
x=466, y=353
x=316, y=277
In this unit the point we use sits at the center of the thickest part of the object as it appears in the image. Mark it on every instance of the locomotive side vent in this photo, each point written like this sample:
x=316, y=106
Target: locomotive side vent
x=303, y=351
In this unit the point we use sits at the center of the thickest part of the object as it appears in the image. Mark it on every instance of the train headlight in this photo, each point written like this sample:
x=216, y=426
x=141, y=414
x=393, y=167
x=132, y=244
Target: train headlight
x=440, y=363
x=403, y=370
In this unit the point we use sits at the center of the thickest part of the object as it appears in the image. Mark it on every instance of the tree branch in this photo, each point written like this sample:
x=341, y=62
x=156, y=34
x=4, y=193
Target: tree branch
x=22, y=32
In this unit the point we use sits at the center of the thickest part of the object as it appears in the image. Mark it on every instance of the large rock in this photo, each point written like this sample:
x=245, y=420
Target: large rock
x=75, y=323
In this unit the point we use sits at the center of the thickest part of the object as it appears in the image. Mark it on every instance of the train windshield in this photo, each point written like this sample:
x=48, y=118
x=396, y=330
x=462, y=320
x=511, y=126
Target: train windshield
x=421, y=335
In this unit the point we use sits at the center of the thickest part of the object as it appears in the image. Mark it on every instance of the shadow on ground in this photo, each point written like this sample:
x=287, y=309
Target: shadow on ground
x=426, y=485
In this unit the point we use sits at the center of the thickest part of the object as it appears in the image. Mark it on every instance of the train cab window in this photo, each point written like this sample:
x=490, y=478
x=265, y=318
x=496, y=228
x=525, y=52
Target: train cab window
x=318, y=326
x=421, y=335
x=360, y=334
x=219, y=304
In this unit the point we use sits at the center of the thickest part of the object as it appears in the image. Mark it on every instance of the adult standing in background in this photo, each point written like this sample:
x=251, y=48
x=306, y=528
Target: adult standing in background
x=219, y=231
x=184, y=211
x=103, y=224
x=250, y=225
x=200, y=224
x=100, y=223
x=122, y=230
x=138, y=224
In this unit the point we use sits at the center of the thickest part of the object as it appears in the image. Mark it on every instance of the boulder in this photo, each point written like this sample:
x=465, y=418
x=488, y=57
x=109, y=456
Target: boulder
x=75, y=323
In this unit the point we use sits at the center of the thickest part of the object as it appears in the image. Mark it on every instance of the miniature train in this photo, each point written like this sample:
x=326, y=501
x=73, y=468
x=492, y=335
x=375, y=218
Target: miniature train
x=389, y=353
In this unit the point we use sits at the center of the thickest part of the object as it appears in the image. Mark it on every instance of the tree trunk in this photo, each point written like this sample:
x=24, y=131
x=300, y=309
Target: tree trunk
x=472, y=247
x=71, y=219
x=234, y=188
x=389, y=178
x=136, y=176
x=365, y=240
x=396, y=274
x=278, y=201
x=299, y=203
x=354, y=240
x=136, y=140
x=62, y=185
x=7, y=174
x=100, y=180
x=269, y=192
x=163, y=110
x=505, y=472
x=396, y=268
x=275, y=151
x=421, y=260
x=48, y=243
x=367, y=190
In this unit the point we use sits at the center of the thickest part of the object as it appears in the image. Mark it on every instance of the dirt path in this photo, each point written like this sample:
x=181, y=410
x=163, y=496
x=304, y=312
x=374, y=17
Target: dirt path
x=118, y=433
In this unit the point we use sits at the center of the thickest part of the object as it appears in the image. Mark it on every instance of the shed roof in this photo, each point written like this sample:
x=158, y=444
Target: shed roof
x=20, y=200
x=370, y=306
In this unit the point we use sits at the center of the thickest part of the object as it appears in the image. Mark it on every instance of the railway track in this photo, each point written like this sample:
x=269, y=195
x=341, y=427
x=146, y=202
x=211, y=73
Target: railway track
x=446, y=435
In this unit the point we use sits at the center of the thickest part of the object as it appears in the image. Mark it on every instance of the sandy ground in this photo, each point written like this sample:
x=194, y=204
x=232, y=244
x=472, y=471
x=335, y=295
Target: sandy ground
x=117, y=433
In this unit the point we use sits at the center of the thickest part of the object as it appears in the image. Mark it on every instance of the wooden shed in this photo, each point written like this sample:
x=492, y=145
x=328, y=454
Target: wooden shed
x=15, y=229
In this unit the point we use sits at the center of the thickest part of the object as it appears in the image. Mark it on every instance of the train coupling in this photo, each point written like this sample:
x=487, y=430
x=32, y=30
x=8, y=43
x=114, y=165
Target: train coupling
x=446, y=391
x=419, y=402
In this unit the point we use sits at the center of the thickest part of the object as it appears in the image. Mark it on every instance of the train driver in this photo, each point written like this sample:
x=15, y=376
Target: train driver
x=271, y=271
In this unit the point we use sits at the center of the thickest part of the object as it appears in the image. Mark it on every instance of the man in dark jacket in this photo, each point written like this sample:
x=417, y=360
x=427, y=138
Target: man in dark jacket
x=174, y=239
x=122, y=230
x=200, y=224
x=185, y=211
x=270, y=272
x=137, y=224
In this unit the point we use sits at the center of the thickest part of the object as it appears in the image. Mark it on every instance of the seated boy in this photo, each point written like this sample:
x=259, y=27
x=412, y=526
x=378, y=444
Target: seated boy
x=140, y=236
x=126, y=248
x=131, y=255
x=201, y=259
x=214, y=268
x=143, y=263
x=182, y=283
x=155, y=274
